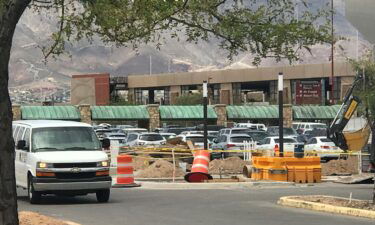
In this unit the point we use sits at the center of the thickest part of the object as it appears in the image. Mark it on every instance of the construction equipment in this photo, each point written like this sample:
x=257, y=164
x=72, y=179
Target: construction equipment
x=353, y=141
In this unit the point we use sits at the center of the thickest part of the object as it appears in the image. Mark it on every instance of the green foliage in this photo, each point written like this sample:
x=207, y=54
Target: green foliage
x=120, y=102
x=191, y=99
x=366, y=87
x=264, y=28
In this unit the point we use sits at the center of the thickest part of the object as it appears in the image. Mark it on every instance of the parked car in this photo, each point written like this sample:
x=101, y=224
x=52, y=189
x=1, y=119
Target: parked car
x=134, y=130
x=288, y=132
x=60, y=157
x=269, y=143
x=231, y=142
x=101, y=133
x=124, y=126
x=144, y=139
x=175, y=130
x=302, y=127
x=197, y=139
x=119, y=138
x=210, y=127
x=168, y=135
x=233, y=131
x=251, y=126
x=257, y=135
x=325, y=148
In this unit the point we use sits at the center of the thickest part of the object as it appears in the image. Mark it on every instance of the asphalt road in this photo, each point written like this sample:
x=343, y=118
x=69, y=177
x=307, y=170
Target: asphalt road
x=192, y=207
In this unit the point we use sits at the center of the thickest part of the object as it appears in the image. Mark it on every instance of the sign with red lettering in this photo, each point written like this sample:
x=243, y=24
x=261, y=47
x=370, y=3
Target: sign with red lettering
x=308, y=92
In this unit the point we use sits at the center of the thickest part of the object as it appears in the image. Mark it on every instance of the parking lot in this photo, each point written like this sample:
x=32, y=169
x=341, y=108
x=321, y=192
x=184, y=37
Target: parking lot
x=209, y=206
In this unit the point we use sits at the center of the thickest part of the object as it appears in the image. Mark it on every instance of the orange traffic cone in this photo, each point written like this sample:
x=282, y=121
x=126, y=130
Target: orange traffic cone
x=199, y=170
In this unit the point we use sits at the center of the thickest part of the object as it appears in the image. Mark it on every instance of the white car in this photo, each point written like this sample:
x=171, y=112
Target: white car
x=60, y=157
x=168, y=135
x=144, y=139
x=251, y=126
x=325, y=148
x=197, y=139
x=302, y=127
x=269, y=143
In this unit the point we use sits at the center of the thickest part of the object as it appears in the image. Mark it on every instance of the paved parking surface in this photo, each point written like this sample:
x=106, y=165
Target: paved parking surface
x=170, y=207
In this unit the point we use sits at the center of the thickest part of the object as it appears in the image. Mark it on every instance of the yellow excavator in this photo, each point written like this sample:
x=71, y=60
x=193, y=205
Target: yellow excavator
x=348, y=141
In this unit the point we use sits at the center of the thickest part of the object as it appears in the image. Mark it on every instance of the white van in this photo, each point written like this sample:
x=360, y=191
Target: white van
x=305, y=126
x=252, y=126
x=60, y=157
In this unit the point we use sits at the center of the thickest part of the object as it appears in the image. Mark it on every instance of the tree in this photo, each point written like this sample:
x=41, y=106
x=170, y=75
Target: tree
x=365, y=90
x=263, y=28
x=190, y=99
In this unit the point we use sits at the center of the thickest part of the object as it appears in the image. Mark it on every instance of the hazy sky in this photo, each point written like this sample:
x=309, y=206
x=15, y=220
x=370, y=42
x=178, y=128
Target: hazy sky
x=361, y=13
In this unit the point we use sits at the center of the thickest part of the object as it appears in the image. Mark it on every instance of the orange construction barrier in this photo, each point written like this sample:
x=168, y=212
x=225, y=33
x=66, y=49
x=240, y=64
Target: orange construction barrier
x=277, y=150
x=199, y=170
x=125, y=176
x=299, y=170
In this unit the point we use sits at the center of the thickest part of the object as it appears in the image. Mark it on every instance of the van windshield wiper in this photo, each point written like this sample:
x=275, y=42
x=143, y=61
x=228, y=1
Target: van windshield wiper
x=76, y=148
x=45, y=148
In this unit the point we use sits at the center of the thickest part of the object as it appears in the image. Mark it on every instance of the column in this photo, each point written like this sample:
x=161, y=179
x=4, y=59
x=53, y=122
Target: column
x=221, y=112
x=85, y=112
x=153, y=111
x=288, y=115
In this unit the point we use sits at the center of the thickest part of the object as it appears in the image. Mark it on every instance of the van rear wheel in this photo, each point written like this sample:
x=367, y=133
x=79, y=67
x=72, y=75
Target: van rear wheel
x=34, y=196
x=103, y=195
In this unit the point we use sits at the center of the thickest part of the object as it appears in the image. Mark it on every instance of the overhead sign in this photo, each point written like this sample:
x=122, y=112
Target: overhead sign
x=308, y=92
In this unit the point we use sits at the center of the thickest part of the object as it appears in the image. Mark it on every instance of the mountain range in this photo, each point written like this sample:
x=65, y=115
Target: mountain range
x=28, y=68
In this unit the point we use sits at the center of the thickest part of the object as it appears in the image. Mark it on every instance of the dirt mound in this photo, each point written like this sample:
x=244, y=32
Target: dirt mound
x=231, y=165
x=141, y=162
x=32, y=218
x=160, y=169
x=340, y=166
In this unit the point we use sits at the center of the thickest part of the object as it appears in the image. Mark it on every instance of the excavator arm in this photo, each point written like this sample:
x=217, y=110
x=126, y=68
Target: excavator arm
x=348, y=107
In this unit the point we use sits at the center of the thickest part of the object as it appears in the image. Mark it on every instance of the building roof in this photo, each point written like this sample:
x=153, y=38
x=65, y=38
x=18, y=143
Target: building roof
x=119, y=113
x=50, y=113
x=188, y=112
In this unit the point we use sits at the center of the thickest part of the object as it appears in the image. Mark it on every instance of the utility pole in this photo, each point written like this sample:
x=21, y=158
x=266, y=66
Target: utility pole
x=205, y=95
x=281, y=116
x=331, y=83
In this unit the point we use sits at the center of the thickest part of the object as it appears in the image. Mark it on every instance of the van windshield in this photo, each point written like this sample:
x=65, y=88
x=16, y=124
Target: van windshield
x=64, y=139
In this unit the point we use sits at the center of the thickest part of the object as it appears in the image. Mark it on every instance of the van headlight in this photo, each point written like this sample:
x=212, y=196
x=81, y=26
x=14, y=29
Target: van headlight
x=44, y=165
x=102, y=164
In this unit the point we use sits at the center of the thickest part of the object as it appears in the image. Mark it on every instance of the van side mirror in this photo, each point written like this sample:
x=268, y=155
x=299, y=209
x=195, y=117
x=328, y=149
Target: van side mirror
x=106, y=143
x=215, y=140
x=21, y=144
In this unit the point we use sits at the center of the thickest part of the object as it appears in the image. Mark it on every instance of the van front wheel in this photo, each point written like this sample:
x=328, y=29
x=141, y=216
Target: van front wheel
x=103, y=195
x=34, y=196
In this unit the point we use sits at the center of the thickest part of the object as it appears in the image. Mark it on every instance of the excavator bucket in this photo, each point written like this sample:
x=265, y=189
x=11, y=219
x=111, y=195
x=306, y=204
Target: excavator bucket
x=356, y=140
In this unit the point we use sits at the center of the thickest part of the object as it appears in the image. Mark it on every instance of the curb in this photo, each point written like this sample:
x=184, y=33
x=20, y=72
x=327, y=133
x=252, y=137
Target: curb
x=289, y=201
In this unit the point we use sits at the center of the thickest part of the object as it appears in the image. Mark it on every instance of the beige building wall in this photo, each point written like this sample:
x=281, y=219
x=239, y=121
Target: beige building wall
x=83, y=91
x=301, y=71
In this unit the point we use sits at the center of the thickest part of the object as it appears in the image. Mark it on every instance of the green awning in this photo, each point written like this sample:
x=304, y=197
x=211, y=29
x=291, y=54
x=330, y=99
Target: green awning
x=315, y=112
x=183, y=112
x=119, y=113
x=50, y=113
x=252, y=112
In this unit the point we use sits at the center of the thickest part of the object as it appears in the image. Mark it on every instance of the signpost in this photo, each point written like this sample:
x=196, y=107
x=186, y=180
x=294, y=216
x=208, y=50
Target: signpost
x=281, y=116
x=205, y=93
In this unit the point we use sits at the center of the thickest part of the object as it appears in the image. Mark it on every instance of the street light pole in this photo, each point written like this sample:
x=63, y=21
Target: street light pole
x=205, y=101
x=332, y=83
x=281, y=116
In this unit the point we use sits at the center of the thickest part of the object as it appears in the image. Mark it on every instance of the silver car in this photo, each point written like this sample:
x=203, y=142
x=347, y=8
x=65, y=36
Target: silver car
x=231, y=142
x=144, y=139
